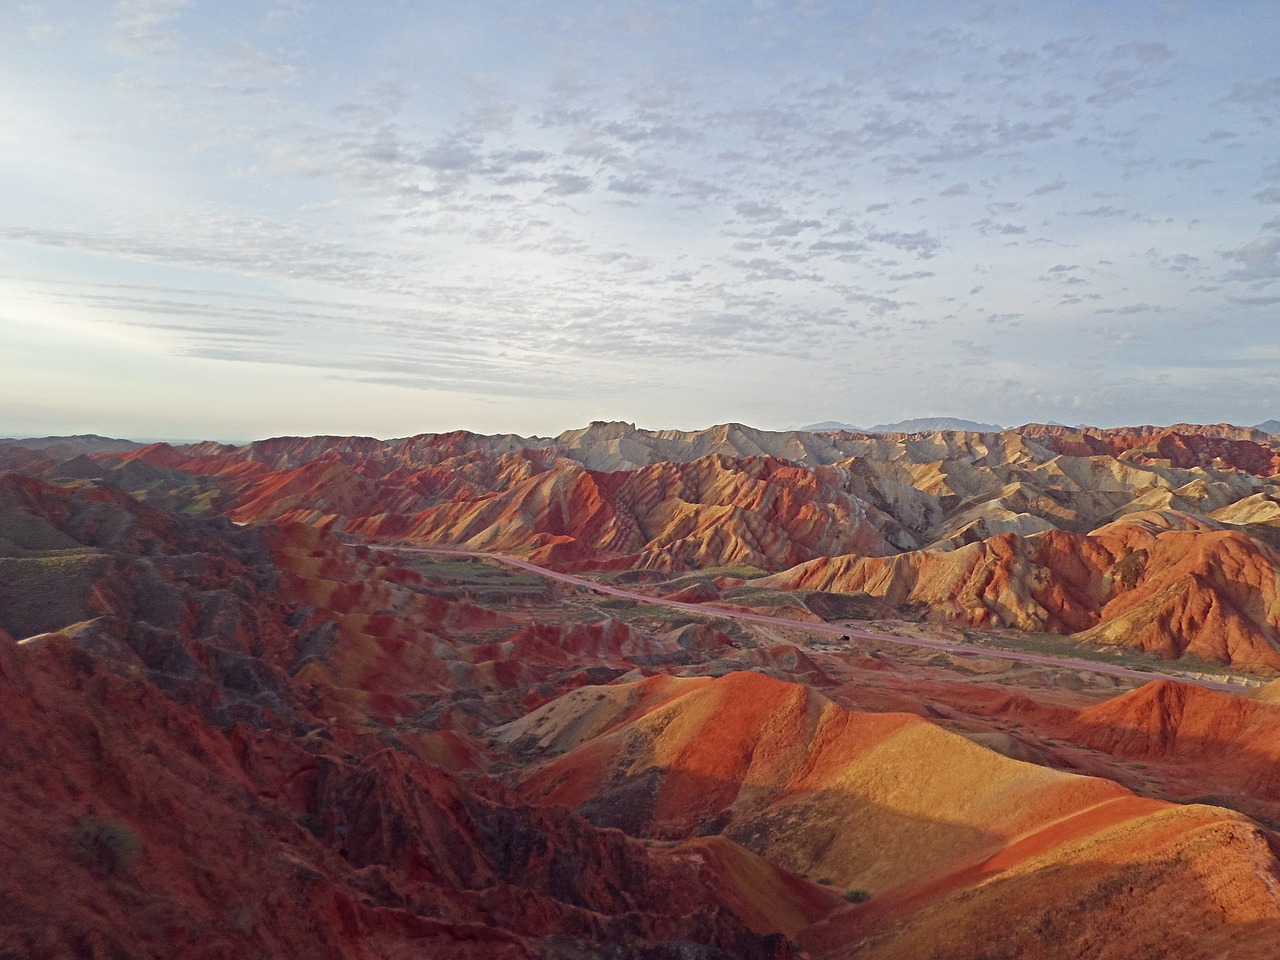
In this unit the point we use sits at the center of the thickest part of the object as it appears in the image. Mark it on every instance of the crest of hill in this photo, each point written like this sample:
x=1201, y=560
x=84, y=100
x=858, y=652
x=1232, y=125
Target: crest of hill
x=623, y=446
x=1268, y=426
x=72, y=446
x=616, y=445
x=702, y=494
x=1144, y=432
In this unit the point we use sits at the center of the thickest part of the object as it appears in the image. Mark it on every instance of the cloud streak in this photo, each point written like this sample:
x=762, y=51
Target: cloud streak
x=567, y=201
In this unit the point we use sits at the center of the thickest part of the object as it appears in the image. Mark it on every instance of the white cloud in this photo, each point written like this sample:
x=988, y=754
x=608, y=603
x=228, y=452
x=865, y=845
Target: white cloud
x=637, y=185
x=141, y=26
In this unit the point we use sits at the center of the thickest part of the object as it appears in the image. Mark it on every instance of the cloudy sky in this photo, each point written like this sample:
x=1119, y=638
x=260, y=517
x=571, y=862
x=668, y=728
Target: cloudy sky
x=254, y=217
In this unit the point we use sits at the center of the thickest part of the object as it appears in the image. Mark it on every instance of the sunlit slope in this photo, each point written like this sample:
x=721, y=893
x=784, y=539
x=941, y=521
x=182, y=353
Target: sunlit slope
x=788, y=773
x=1165, y=583
x=958, y=844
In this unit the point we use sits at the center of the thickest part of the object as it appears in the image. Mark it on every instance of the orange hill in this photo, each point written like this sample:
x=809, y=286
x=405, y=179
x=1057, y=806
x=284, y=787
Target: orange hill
x=929, y=822
x=1168, y=588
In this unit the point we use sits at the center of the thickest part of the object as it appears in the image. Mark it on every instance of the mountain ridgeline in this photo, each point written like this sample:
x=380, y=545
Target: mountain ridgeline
x=1163, y=539
x=266, y=701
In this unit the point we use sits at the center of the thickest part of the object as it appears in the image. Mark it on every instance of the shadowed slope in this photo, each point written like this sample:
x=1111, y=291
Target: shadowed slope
x=133, y=828
x=781, y=768
x=954, y=841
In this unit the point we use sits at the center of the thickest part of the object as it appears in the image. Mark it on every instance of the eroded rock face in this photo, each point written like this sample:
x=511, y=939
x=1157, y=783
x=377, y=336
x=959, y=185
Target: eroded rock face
x=191, y=604
x=1158, y=538
x=258, y=741
x=714, y=511
x=145, y=817
x=1166, y=584
x=254, y=843
x=966, y=851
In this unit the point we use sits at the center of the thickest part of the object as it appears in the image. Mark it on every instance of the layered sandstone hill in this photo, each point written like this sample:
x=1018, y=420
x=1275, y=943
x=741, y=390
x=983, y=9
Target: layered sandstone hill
x=1157, y=538
x=233, y=740
x=1166, y=583
x=225, y=742
x=715, y=511
x=954, y=841
x=943, y=489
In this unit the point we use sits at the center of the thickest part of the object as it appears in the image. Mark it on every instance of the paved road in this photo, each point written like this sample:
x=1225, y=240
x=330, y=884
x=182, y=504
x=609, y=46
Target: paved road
x=708, y=609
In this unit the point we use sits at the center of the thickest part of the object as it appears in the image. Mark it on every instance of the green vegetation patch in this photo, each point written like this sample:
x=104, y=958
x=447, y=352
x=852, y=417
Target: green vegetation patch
x=846, y=606
x=1060, y=645
x=653, y=616
x=477, y=575
x=40, y=594
x=672, y=581
x=105, y=846
x=22, y=534
x=749, y=596
x=827, y=605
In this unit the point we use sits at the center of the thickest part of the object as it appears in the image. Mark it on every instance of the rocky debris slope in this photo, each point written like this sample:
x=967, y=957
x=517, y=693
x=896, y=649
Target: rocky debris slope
x=225, y=742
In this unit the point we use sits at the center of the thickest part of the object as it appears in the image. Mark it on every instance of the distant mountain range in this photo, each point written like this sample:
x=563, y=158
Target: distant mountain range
x=87, y=443
x=919, y=425
x=934, y=424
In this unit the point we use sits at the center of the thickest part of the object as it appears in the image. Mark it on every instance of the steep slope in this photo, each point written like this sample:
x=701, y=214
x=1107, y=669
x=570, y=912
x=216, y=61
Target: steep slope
x=226, y=741
x=943, y=488
x=953, y=840
x=713, y=511
x=1219, y=446
x=189, y=604
x=1166, y=583
x=1194, y=882
x=134, y=829
x=777, y=766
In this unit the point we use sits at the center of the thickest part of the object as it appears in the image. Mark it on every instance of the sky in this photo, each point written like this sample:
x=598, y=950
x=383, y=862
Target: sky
x=249, y=218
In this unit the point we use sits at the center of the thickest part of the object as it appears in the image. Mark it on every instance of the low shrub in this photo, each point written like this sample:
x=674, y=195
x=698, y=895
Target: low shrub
x=104, y=845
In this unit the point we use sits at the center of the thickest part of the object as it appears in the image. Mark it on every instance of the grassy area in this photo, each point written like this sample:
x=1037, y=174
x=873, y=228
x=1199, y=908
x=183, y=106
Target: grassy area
x=740, y=572
x=1058, y=645
x=749, y=596
x=624, y=578
x=671, y=581
x=38, y=594
x=652, y=615
x=192, y=501
x=8, y=551
x=476, y=575
x=21, y=534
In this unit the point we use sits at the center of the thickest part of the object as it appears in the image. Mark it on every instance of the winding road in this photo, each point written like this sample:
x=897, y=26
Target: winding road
x=835, y=629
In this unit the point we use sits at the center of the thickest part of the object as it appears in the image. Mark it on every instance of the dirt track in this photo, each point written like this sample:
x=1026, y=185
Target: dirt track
x=711, y=609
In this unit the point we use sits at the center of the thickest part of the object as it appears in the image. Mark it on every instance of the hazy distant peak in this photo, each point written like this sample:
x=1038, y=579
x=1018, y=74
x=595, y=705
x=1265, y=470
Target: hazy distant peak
x=919, y=425
x=1268, y=426
x=77, y=444
x=830, y=426
x=934, y=424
